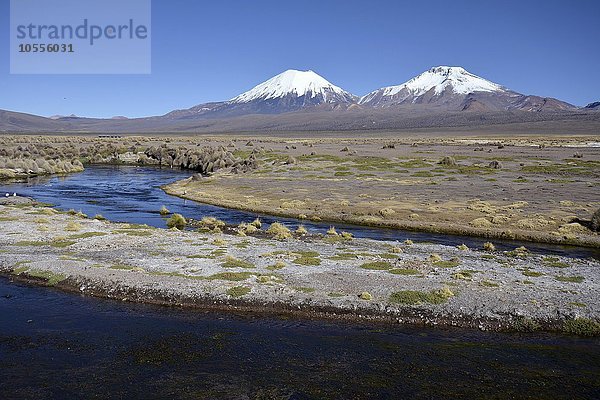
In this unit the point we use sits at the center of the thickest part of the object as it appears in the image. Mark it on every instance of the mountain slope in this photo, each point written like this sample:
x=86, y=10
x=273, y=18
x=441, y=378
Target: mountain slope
x=595, y=106
x=455, y=89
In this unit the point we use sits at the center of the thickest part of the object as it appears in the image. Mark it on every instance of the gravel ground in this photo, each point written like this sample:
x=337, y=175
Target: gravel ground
x=315, y=277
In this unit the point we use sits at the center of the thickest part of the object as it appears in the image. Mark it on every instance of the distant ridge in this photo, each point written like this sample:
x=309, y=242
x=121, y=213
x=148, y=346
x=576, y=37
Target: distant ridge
x=442, y=96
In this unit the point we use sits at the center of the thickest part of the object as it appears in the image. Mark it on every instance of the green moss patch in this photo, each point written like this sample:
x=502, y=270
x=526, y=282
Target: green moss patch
x=413, y=297
x=377, y=265
x=238, y=291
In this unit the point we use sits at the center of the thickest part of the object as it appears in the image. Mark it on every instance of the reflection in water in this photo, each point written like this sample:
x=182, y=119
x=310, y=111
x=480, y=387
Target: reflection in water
x=133, y=194
x=57, y=345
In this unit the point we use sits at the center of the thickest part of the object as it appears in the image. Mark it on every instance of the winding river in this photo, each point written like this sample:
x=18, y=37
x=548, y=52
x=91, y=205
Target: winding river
x=55, y=345
x=133, y=194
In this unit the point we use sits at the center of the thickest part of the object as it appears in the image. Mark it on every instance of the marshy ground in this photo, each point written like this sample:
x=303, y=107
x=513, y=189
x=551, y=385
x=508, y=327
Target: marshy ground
x=525, y=188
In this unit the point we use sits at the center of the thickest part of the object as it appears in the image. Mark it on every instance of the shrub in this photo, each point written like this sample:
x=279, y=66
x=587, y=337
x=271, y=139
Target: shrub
x=176, y=221
x=279, y=231
x=164, y=211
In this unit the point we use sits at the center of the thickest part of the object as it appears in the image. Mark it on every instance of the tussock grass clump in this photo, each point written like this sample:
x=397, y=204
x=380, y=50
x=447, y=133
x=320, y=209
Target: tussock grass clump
x=99, y=217
x=308, y=259
x=448, y=161
x=219, y=242
x=177, y=221
x=463, y=247
x=238, y=291
x=256, y=223
x=395, y=249
x=277, y=266
x=414, y=297
x=408, y=242
x=232, y=262
x=366, y=296
x=41, y=221
x=244, y=229
x=434, y=258
x=279, y=231
x=73, y=227
x=301, y=230
x=463, y=275
x=211, y=223
x=79, y=213
x=489, y=246
x=164, y=211
x=346, y=235
x=387, y=212
x=331, y=231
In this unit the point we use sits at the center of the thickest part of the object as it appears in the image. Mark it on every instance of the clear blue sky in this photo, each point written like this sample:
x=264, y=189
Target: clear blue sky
x=209, y=51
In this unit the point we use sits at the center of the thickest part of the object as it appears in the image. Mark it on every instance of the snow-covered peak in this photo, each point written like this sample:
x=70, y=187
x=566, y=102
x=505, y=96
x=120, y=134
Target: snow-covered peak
x=295, y=83
x=459, y=80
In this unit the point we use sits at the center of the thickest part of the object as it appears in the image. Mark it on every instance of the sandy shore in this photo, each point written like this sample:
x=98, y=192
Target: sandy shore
x=327, y=277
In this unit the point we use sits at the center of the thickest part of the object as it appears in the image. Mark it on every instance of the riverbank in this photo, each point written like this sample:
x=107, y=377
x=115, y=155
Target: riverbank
x=329, y=277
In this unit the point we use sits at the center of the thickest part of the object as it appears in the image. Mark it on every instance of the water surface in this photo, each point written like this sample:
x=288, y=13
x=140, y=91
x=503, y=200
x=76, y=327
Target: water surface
x=55, y=345
x=133, y=194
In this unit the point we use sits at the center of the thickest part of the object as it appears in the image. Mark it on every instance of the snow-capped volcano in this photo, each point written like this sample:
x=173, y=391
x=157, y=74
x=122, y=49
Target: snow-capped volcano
x=455, y=89
x=432, y=85
x=291, y=90
x=301, y=84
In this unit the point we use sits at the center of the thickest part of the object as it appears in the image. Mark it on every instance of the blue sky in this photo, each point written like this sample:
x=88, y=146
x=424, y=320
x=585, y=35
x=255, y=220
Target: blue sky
x=208, y=51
